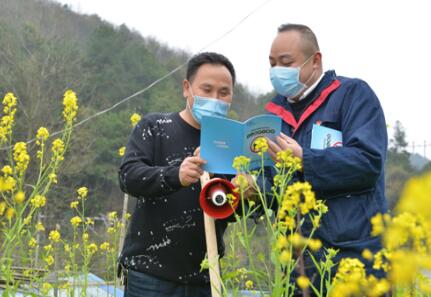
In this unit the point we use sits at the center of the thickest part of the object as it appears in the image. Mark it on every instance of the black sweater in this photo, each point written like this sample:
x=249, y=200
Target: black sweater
x=166, y=236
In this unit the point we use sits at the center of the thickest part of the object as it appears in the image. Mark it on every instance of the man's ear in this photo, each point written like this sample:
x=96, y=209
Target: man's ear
x=186, y=86
x=317, y=60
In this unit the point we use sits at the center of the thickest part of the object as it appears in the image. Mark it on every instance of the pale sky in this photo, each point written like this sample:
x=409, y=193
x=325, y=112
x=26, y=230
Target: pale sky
x=385, y=43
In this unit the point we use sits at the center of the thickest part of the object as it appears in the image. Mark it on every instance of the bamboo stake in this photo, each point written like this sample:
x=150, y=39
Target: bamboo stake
x=211, y=241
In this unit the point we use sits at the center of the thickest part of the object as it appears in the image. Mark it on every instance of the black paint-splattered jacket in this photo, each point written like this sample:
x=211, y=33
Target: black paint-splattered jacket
x=166, y=235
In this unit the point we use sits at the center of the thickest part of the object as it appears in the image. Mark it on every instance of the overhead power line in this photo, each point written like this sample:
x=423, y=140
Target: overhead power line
x=99, y=113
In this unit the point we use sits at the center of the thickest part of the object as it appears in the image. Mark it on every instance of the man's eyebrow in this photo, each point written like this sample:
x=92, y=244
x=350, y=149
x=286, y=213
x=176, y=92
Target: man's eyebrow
x=283, y=56
x=205, y=85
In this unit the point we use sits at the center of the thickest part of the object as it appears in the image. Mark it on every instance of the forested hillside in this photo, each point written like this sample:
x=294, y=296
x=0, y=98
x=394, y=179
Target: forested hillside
x=45, y=48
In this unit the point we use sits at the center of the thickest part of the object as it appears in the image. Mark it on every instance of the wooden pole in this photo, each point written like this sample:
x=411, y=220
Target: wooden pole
x=211, y=241
x=123, y=222
x=122, y=235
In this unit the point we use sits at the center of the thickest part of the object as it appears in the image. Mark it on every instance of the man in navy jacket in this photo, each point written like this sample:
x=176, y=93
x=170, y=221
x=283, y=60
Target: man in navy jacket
x=350, y=178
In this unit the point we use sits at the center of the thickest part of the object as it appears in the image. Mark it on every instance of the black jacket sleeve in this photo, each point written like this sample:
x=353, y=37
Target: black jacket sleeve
x=139, y=176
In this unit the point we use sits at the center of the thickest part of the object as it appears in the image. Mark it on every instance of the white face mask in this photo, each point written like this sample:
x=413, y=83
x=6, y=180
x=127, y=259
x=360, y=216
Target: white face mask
x=204, y=106
x=285, y=80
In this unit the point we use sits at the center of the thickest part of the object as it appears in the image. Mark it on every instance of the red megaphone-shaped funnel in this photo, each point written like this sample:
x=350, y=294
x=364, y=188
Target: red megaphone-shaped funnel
x=214, y=201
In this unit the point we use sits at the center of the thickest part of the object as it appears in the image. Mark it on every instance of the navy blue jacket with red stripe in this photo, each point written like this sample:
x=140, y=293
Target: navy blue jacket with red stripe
x=349, y=178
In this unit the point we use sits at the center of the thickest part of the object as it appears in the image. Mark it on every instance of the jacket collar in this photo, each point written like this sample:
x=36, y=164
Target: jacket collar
x=279, y=105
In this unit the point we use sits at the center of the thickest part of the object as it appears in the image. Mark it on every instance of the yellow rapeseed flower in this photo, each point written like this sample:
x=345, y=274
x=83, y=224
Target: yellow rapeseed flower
x=10, y=213
x=297, y=240
x=27, y=220
x=288, y=221
x=48, y=248
x=7, y=170
x=42, y=134
x=82, y=192
x=134, y=119
x=8, y=119
x=404, y=267
x=75, y=221
x=112, y=215
x=249, y=284
x=415, y=197
x=21, y=157
x=377, y=225
x=105, y=246
x=49, y=260
x=300, y=196
x=121, y=151
x=19, y=197
x=74, y=204
x=285, y=159
x=241, y=163
x=367, y=255
x=285, y=257
x=282, y=242
x=303, y=282
x=57, y=149
x=260, y=145
x=315, y=220
x=2, y=207
x=231, y=199
x=32, y=242
x=314, y=244
x=70, y=103
x=350, y=270
x=241, y=182
x=381, y=260
x=92, y=248
x=53, y=178
x=38, y=201
x=27, y=272
x=376, y=287
x=9, y=101
x=40, y=227
x=46, y=287
x=54, y=236
x=7, y=183
x=321, y=207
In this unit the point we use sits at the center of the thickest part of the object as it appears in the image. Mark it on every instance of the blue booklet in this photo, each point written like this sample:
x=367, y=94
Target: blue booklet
x=324, y=137
x=223, y=139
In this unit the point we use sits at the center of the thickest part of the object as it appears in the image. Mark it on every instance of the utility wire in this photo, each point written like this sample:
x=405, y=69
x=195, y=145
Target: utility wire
x=97, y=114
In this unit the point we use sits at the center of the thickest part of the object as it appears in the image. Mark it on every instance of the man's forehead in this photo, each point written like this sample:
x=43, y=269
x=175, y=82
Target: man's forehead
x=286, y=44
x=290, y=38
x=213, y=74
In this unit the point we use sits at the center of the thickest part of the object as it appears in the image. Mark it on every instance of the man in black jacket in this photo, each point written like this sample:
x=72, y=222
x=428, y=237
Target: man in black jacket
x=165, y=242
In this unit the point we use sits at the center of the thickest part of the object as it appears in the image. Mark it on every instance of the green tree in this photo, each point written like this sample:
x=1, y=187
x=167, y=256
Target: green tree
x=398, y=168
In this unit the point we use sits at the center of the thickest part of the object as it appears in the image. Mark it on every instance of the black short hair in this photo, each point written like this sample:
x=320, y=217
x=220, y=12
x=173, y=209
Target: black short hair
x=208, y=58
x=310, y=44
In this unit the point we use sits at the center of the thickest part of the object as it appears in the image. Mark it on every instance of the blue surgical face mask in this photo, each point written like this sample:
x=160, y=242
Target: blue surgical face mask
x=285, y=80
x=203, y=106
